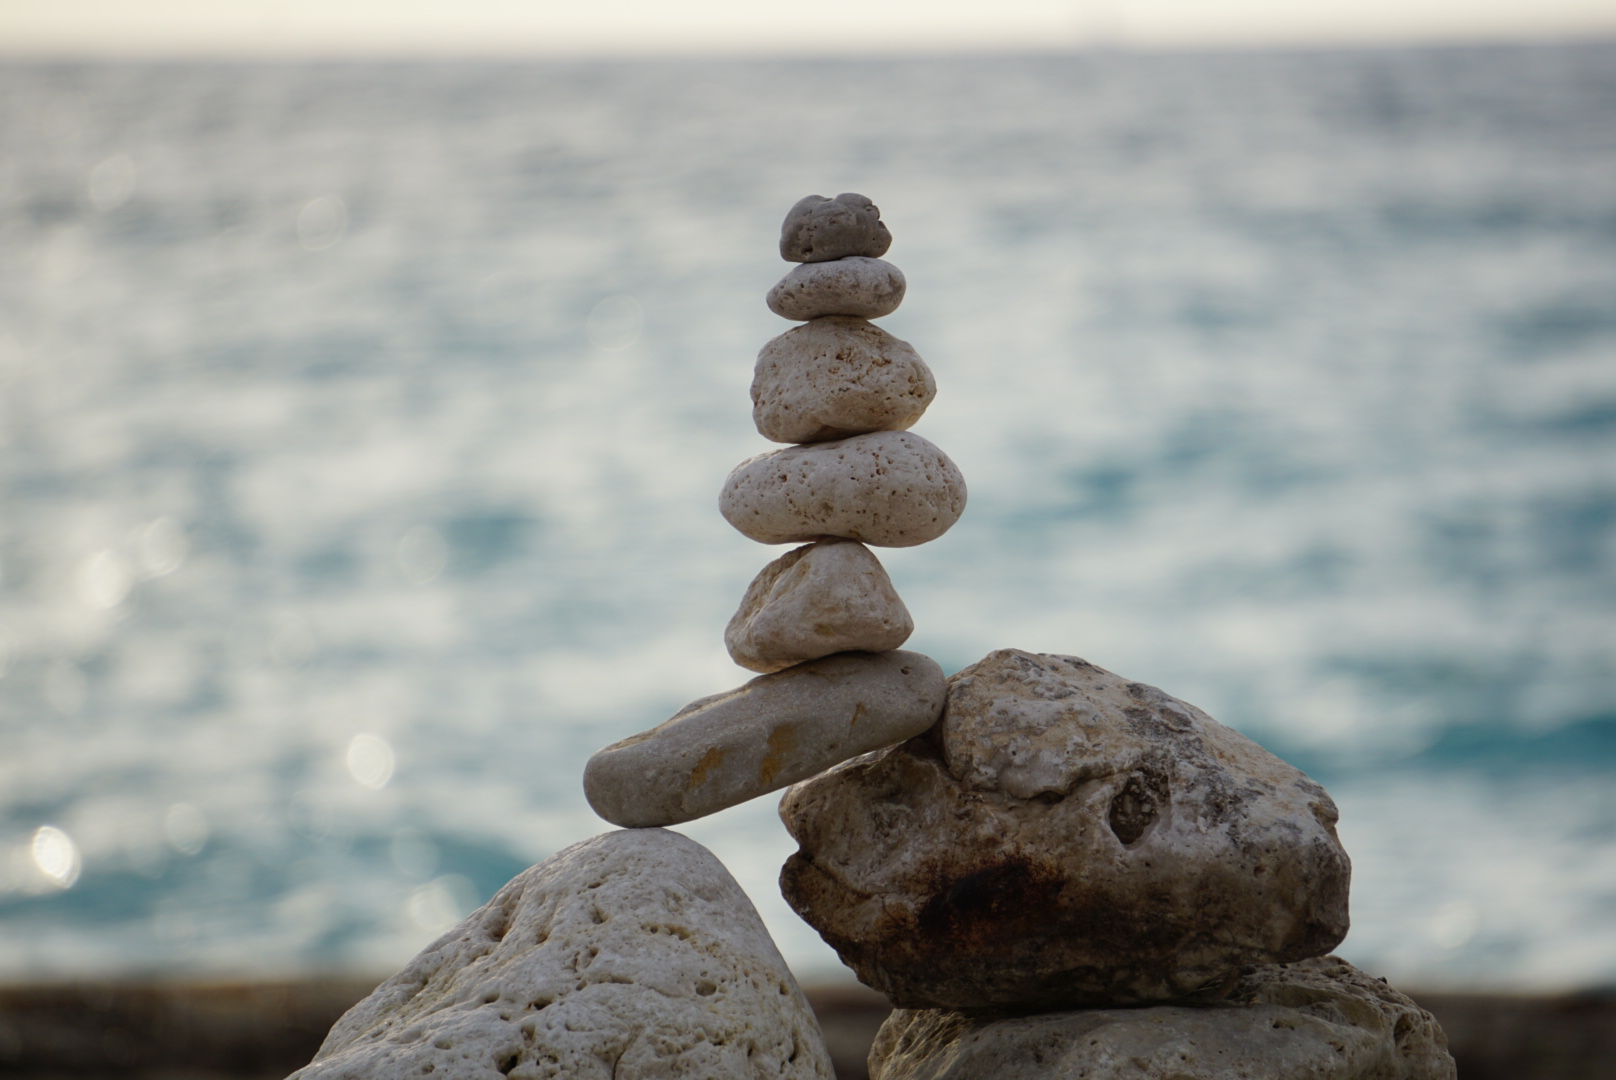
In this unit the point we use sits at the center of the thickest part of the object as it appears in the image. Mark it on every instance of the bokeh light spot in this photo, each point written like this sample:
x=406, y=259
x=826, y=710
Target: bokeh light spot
x=615, y=323
x=161, y=548
x=370, y=760
x=422, y=554
x=186, y=828
x=56, y=856
x=104, y=580
x=321, y=223
x=441, y=903
x=414, y=854
x=112, y=182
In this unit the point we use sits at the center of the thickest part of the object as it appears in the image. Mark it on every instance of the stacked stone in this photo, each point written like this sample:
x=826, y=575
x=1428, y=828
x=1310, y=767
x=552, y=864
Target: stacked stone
x=822, y=622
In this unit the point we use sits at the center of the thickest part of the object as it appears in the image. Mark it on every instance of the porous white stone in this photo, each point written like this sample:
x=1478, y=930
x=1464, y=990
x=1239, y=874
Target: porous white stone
x=1317, y=1019
x=633, y=955
x=866, y=288
x=759, y=737
x=838, y=376
x=828, y=597
x=817, y=229
x=1064, y=837
x=887, y=488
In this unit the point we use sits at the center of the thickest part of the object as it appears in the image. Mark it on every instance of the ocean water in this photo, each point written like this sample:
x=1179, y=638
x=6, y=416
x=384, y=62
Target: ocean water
x=361, y=428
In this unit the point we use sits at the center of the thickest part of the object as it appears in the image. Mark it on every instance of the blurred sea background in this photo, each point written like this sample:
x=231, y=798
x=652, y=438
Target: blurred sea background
x=361, y=429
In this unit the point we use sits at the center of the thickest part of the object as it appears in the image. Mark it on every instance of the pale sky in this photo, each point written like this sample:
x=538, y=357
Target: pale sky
x=529, y=27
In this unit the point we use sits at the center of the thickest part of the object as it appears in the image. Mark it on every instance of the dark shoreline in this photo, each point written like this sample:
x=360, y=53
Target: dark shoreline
x=264, y=1030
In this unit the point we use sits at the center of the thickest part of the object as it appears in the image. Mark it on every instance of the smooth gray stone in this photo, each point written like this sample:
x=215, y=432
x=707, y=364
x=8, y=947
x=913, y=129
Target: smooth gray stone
x=770, y=732
x=838, y=376
x=864, y=288
x=887, y=489
x=1064, y=838
x=1314, y=1020
x=818, y=229
x=633, y=955
x=829, y=597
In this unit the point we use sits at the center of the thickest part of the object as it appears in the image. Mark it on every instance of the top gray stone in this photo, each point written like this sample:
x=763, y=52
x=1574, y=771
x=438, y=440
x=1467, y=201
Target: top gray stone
x=633, y=955
x=819, y=229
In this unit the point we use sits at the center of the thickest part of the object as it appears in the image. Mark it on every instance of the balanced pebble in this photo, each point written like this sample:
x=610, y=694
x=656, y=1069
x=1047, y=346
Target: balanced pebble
x=887, y=488
x=867, y=288
x=818, y=229
x=829, y=597
x=770, y=732
x=838, y=376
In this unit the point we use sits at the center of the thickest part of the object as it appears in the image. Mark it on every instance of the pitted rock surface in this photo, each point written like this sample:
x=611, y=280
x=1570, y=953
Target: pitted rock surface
x=835, y=377
x=773, y=731
x=1314, y=1020
x=633, y=955
x=829, y=597
x=887, y=489
x=866, y=288
x=818, y=229
x=1064, y=837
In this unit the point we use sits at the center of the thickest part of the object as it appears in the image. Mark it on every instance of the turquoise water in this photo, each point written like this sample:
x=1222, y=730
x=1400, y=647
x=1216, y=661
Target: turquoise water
x=361, y=429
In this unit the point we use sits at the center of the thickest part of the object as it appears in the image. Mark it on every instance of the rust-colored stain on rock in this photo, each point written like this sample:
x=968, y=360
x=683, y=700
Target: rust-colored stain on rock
x=711, y=760
x=782, y=741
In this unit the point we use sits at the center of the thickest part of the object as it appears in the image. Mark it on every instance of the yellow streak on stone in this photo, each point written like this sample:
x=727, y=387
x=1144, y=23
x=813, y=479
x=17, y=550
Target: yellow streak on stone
x=711, y=760
x=782, y=741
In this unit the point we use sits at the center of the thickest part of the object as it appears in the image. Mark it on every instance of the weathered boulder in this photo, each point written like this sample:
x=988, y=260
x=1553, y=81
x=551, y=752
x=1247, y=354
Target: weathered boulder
x=838, y=376
x=1064, y=837
x=828, y=597
x=887, y=488
x=867, y=288
x=770, y=732
x=818, y=229
x=1313, y=1020
x=630, y=955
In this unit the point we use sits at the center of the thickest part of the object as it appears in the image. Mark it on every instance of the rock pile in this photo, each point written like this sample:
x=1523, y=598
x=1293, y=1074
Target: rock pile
x=822, y=622
x=1011, y=854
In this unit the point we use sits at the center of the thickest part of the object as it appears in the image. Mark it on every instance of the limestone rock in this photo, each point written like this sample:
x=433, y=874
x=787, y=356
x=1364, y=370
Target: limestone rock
x=867, y=288
x=1064, y=837
x=630, y=955
x=838, y=376
x=887, y=488
x=829, y=597
x=759, y=737
x=1314, y=1020
x=818, y=229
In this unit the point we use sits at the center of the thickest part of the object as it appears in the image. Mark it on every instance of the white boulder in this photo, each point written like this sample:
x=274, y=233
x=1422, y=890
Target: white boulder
x=630, y=956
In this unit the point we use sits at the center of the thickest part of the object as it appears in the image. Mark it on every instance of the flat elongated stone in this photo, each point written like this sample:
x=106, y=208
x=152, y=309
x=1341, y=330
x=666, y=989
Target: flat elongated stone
x=1064, y=837
x=633, y=955
x=817, y=229
x=887, y=489
x=838, y=376
x=1318, y=1019
x=829, y=597
x=866, y=288
x=759, y=737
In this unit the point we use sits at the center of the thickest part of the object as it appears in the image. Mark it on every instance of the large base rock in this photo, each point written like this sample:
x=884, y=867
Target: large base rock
x=1064, y=837
x=1315, y=1020
x=632, y=955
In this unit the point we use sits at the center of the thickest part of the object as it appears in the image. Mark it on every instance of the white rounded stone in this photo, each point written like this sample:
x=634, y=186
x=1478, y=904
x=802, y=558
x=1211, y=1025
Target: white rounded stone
x=817, y=229
x=838, y=376
x=1320, y=1019
x=829, y=597
x=770, y=732
x=632, y=955
x=866, y=288
x=887, y=488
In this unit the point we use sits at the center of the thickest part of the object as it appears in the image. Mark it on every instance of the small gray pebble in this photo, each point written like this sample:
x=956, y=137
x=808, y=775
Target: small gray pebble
x=818, y=229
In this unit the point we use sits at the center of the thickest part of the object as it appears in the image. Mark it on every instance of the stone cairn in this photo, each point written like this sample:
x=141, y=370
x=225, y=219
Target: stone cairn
x=1051, y=871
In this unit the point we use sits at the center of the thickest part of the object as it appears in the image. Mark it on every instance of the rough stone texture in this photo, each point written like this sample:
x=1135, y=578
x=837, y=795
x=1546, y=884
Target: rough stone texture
x=1064, y=837
x=887, y=488
x=829, y=597
x=631, y=955
x=759, y=737
x=867, y=288
x=1315, y=1020
x=818, y=229
x=835, y=377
